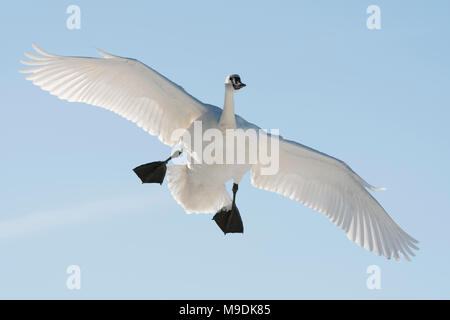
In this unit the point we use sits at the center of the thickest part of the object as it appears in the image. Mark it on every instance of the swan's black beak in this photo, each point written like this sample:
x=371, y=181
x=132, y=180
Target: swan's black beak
x=238, y=86
x=236, y=82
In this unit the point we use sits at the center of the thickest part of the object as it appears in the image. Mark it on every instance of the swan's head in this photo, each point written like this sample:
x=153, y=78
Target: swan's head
x=235, y=81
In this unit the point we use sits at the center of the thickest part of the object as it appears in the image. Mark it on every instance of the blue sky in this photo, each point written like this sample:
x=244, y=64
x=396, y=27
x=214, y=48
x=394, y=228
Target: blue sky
x=377, y=99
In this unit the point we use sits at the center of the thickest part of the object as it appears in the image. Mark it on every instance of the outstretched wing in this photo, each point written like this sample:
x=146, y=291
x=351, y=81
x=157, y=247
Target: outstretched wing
x=122, y=85
x=331, y=187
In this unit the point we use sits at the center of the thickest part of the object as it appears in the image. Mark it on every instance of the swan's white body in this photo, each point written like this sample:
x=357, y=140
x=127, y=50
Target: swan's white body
x=159, y=106
x=200, y=188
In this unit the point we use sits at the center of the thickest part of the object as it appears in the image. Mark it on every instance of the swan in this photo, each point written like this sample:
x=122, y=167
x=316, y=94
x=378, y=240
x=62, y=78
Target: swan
x=157, y=105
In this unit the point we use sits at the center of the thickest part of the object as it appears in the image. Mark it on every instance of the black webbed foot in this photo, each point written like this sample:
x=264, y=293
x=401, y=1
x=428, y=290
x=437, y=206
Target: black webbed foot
x=229, y=220
x=153, y=172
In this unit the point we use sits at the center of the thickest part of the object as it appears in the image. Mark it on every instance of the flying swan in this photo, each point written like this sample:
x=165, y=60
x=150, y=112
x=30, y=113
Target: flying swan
x=160, y=107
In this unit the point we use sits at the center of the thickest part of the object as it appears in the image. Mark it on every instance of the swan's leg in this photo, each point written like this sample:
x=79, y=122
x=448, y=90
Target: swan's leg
x=154, y=172
x=229, y=220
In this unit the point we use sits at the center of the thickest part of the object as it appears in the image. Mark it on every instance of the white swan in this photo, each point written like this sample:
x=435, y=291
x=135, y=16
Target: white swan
x=159, y=106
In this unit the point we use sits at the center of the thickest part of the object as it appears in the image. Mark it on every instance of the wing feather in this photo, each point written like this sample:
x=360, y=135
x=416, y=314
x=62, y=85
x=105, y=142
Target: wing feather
x=331, y=187
x=122, y=85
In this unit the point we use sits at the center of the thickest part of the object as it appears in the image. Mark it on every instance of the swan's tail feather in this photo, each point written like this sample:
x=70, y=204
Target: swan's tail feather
x=193, y=193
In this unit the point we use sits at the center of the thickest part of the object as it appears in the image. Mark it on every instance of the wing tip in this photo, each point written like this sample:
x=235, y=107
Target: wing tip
x=376, y=188
x=105, y=54
x=41, y=51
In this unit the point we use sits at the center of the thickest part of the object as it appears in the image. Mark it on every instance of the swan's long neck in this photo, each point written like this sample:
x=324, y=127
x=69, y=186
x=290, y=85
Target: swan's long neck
x=227, y=119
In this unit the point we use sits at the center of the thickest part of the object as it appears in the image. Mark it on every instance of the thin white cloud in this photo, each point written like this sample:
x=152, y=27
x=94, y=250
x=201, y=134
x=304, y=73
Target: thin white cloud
x=41, y=221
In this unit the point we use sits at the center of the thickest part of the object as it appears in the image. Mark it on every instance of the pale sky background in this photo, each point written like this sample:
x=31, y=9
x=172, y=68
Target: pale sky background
x=378, y=100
